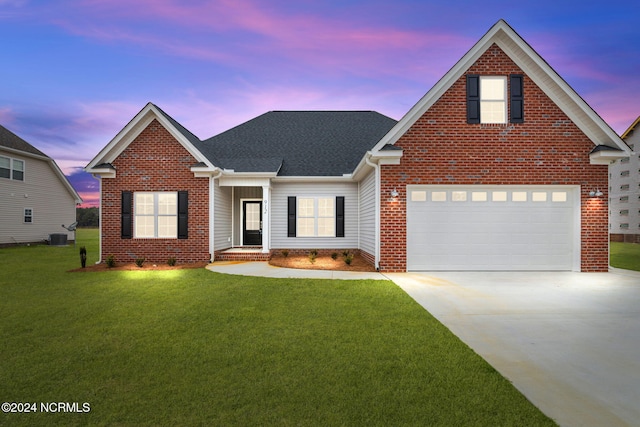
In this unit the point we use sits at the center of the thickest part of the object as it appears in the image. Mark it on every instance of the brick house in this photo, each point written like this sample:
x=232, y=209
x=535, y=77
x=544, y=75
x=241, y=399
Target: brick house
x=497, y=167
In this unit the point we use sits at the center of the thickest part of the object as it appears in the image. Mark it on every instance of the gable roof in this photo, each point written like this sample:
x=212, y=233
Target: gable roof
x=101, y=163
x=298, y=143
x=13, y=142
x=537, y=69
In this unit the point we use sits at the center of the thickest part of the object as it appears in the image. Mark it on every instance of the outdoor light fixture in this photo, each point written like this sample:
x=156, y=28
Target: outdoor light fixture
x=394, y=193
x=595, y=193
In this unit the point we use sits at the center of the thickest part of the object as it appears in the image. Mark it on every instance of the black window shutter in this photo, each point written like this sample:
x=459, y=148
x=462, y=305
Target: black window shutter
x=126, y=217
x=340, y=216
x=517, y=98
x=183, y=214
x=473, y=98
x=291, y=216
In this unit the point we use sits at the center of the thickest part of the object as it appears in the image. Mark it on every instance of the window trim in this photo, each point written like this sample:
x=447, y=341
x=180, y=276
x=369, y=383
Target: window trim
x=25, y=216
x=156, y=215
x=12, y=169
x=316, y=216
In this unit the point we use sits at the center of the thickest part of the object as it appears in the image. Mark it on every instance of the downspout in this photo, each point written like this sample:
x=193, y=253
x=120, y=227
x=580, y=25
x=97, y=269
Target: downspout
x=376, y=169
x=99, y=220
x=212, y=205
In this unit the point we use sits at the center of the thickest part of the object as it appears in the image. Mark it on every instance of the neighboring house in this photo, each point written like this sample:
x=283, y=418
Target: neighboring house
x=491, y=170
x=624, y=190
x=36, y=198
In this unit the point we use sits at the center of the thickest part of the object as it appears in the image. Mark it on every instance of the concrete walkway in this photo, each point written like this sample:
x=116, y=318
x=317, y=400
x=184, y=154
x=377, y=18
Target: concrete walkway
x=570, y=342
x=264, y=269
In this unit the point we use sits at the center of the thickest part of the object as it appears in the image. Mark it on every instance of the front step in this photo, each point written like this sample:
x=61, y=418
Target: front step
x=242, y=254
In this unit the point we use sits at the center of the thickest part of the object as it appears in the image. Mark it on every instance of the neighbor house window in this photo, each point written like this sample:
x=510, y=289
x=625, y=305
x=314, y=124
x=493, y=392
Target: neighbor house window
x=28, y=215
x=11, y=168
x=316, y=217
x=155, y=215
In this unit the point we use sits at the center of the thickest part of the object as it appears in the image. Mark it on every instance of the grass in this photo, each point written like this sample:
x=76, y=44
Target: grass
x=625, y=255
x=192, y=347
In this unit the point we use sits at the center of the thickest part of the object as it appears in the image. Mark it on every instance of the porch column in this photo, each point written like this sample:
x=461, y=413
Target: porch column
x=266, y=219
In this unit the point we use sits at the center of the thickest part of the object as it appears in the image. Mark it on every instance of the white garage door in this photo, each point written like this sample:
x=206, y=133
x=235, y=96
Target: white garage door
x=492, y=228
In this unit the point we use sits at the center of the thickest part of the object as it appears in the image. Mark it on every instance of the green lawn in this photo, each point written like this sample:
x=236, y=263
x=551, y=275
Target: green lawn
x=192, y=347
x=625, y=255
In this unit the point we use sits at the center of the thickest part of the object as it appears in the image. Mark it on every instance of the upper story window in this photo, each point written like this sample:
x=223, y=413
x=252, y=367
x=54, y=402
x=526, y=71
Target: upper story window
x=493, y=99
x=11, y=168
x=489, y=98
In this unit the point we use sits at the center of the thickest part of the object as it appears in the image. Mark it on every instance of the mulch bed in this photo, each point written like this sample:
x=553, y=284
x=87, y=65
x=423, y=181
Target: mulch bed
x=321, y=263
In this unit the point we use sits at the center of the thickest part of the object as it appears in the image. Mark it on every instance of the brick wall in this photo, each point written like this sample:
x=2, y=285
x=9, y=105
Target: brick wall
x=547, y=149
x=155, y=161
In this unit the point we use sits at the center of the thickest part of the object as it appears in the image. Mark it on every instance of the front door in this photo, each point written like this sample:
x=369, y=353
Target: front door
x=252, y=223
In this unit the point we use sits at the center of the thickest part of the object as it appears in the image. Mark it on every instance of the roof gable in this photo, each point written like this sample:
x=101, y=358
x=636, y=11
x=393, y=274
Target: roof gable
x=536, y=68
x=122, y=140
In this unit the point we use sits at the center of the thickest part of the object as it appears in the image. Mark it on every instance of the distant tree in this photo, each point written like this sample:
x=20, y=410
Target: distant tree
x=87, y=217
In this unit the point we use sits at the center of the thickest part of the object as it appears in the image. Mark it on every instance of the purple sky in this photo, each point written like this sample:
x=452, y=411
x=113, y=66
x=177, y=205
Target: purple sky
x=74, y=72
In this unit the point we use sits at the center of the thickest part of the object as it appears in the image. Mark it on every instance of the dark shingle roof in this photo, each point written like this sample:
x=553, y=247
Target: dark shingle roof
x=184, y=131
x=305, y=143
x=11, y=140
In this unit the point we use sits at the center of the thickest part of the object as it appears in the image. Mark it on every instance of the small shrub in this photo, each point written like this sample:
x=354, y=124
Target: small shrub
x=312, y=256
x=334, y=255
x=111, y=261
x=348, y=259
x=83, y=256
x=171, y=261
x=139, y=261
x=345, y=253
x=285, y=253
x=314, y=252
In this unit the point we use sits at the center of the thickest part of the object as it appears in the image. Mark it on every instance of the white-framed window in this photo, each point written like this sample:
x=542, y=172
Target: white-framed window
x=155, y=215
x=316, y=217
x=11, y=168
x=28, y=215
x=493, y=99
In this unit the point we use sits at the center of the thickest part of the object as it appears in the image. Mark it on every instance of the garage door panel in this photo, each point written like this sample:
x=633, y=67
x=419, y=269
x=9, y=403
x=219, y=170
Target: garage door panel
x=478, y=233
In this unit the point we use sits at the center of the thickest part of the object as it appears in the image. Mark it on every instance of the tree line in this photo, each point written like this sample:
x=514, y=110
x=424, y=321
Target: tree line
x=87, y=217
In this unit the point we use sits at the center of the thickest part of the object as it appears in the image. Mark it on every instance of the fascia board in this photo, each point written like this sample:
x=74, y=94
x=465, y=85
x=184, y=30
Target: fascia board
x=606, y=157
x=65, y=181
x=344, y=178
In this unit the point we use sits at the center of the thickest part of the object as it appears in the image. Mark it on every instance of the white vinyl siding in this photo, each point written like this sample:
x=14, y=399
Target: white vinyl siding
x=44, y=193
x=282, y=190
x=367, y=225
x=222, y=217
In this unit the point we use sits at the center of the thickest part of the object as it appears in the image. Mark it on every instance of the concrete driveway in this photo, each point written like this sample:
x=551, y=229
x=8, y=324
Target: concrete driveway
x=570, y=342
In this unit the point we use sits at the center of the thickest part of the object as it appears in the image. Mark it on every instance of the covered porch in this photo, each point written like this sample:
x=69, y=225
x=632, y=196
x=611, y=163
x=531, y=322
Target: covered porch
x=241, y=219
